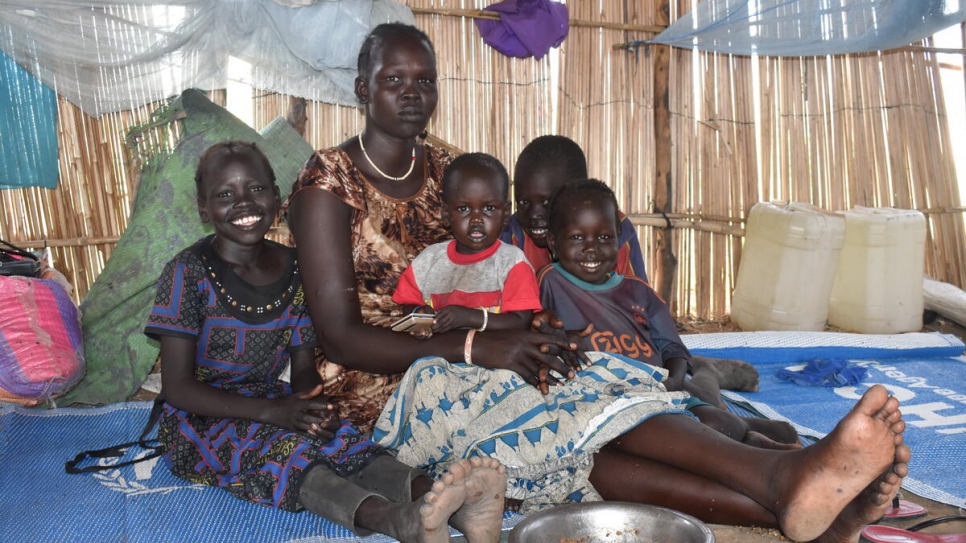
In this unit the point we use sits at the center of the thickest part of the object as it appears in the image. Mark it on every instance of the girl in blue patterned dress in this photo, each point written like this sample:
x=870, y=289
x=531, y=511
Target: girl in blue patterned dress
x=231, y=317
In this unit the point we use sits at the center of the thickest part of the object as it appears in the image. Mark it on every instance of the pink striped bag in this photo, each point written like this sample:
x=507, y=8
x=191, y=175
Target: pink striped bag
x=41, y=344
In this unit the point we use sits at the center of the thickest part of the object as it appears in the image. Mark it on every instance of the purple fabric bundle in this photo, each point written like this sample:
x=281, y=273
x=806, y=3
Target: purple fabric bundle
x=526, y=27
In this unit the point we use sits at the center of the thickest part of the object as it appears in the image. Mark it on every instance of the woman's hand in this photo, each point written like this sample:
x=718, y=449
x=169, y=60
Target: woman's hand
x=452, y=317
x=547, y=322
x=308, y=412
x=523, y=352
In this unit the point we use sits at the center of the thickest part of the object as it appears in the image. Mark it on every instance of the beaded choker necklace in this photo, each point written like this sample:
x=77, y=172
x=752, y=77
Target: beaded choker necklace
x=412, y=164
x=248, y=308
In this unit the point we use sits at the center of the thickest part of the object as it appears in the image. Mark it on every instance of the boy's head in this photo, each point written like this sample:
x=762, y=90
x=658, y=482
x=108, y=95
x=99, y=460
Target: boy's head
x=584, y=229
x=475, y=188
x=237, y=193
x=545, y=164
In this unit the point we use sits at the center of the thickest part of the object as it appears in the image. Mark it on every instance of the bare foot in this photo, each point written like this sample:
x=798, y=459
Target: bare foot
x=871, y=503
x=732, y=374
x=480, y=516
x=778, y=430
x=513, y=505
x=825, y=477
x=429, y=522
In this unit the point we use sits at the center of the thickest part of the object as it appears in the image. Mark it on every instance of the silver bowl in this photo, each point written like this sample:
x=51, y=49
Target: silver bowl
x=610, y=522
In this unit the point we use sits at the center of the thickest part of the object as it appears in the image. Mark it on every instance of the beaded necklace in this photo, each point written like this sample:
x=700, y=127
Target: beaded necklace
x=412, y=164
x=249, y=308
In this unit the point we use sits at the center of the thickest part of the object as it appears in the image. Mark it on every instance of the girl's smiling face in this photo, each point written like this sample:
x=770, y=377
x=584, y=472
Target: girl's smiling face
x=585, y=239
x=237, y=196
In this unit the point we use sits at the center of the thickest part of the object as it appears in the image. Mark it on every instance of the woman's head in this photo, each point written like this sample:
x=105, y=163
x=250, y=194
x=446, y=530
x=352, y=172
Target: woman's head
x=397, y=79
x=237, y=193
x=545, y=164
x=475, y=188
x=584, y=229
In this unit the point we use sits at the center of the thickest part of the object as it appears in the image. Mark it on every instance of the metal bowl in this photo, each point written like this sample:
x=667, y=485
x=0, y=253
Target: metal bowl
x=599, y=522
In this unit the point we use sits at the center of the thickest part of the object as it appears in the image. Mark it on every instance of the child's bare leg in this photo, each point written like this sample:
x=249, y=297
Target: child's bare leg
x=745, y=429
x=425, y=520
x=480, y=516
x=806, y=489
x=778, y=430
x=871, y=503
x=704, y=386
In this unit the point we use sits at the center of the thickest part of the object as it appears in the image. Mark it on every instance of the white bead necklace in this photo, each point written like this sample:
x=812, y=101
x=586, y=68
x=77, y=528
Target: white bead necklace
x=382, y=173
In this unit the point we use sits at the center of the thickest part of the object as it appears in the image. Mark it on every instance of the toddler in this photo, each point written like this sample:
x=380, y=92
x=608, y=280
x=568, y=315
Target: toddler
x=475, y=280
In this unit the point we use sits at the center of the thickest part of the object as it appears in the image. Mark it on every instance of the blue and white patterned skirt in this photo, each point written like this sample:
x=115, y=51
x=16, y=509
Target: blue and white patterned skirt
x=443, y=412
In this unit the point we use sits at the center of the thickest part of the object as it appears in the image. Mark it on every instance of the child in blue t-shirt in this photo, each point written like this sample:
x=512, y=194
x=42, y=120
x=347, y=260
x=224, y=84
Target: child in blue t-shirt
x=628, y=317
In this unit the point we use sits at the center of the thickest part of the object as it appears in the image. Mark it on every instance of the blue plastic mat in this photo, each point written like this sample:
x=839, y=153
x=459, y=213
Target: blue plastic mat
x=139, y=503
x=926, y=372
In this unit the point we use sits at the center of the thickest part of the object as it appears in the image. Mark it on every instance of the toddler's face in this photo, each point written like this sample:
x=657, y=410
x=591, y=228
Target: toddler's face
x=239, y=200
x=586, y=240
x=476, y=209
x=532, y=191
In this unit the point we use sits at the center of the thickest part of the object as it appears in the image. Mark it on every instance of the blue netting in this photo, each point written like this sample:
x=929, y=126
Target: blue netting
x=810, y=27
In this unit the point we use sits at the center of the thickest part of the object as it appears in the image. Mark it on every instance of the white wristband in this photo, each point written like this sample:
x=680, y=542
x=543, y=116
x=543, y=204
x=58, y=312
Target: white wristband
x=486, y=319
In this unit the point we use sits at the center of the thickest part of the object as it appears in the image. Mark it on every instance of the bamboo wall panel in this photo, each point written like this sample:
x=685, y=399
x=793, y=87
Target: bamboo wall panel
x=832, y=131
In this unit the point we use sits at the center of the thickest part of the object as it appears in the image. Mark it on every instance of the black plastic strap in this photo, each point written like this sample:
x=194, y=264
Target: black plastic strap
x=17, y=250
x=935, y=521
x=118, y=451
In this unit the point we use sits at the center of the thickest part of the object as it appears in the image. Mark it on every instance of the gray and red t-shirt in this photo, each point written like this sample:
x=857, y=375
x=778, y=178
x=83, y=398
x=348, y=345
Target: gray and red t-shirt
x=499, y=279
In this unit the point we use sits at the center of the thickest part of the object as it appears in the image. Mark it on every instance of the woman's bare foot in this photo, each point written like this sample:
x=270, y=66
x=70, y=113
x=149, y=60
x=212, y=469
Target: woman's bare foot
x=827, y=476
x=871, y=503
x=513, y=505
x=480, y=516
x=427, y=520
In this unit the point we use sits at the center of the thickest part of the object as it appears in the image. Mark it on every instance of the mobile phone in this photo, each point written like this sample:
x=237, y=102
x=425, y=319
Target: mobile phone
x=413, y=323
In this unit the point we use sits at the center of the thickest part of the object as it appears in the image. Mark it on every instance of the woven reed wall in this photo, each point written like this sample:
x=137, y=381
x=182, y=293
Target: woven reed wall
x=817, y=130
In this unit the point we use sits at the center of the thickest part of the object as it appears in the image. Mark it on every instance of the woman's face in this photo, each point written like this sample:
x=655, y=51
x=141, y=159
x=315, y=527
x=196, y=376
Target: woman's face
x=400, y=94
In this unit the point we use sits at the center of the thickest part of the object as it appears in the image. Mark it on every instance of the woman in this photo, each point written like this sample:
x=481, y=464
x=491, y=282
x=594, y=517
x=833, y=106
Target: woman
x=360, y=212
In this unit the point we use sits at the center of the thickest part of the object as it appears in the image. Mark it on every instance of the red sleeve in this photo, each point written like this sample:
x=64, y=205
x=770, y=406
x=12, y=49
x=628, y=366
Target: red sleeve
x=520, y=291
x=407, y=293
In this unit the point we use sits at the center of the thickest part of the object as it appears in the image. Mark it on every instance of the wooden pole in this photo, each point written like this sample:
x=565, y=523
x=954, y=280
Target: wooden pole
x=296, y=114
x=667, y=261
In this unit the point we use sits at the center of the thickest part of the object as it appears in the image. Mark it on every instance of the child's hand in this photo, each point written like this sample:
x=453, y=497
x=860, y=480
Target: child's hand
x=452, y=317
x=677, y=369
x=307, y=412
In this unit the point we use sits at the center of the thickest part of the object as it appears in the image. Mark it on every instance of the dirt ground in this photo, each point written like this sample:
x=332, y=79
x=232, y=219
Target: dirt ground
x=734, y=534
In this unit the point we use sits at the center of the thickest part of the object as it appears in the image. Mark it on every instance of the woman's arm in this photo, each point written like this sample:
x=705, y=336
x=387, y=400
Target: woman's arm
x=320, y=223
x=184, y=391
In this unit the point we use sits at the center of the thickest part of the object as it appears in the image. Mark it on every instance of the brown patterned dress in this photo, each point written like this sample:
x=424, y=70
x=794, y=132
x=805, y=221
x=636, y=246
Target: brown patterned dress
x=387, y=233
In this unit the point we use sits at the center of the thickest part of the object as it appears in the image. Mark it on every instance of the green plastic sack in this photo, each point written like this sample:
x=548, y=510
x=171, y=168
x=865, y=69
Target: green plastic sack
x=164, y=221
